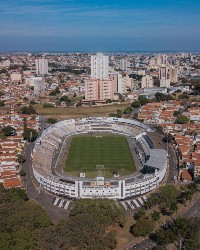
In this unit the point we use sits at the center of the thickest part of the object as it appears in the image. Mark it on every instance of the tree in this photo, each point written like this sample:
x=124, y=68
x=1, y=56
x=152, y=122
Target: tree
x=142, y=227
x=108, y=101
x=184, y=96
x=8, y=131
x=163, y=97
x=182, y=119
x=168, y=137
x=32, y=102
x=2, y=103
x=55, y=92
x=155, y=216
x=28, y=110
x=30, y=134
x=174, y=207
x=128, y=110
x=48, y=105
x=167, y=196
x=176, y=113
x=111, y=240
x=141, y=213
x=165, y=236
x=143, y=100
x=159, y=129
x=64, y=98
x=135, y=104
x=197, y=88
x=52, y=120
x=22, y=172
x=21, y=158
x=119, y=113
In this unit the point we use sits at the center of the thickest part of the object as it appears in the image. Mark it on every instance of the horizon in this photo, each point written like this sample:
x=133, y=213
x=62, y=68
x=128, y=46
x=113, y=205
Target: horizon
x=111, y=25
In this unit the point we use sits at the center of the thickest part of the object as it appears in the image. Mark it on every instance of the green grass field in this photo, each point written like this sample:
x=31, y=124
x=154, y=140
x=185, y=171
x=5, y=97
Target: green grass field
x=87, y=151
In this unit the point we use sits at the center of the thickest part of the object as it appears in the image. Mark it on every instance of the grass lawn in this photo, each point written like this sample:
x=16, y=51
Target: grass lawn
x=81, y=112
x=87, y=151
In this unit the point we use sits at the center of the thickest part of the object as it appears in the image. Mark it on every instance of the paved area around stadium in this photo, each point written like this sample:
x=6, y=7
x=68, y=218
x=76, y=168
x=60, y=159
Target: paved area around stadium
x=88, y=151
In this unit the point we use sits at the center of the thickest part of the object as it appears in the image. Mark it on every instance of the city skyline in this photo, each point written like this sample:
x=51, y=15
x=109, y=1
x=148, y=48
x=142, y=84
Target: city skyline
x=99, y=26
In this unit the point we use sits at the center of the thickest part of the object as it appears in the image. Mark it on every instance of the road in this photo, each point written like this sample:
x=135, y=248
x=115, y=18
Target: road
x=172, y=165
x=35, y=192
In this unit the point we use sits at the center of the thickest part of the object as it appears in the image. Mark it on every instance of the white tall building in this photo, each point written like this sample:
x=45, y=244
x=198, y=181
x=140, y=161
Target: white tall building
x=41, y=65
x=163, y=72
x=124, y=64
x=38, y=83
x=161, y=59
x=164, y=76
x=121, y=86
x=173, y=74
x=99, y=66
x=147, y=82
x=165, y=83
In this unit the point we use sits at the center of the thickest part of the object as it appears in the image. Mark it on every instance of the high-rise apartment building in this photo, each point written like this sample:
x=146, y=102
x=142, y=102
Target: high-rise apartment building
x=173, y=74
x=41, y=65
x=147, y=82
x=38, y=83
x=99, y=89
x=124, y=64
x=99, y=66
x=161, y=59
x=164, y=76
x=163, y=72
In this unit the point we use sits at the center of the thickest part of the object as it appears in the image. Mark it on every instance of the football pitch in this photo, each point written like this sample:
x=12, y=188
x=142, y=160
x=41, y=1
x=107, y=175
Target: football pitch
x=87, y=151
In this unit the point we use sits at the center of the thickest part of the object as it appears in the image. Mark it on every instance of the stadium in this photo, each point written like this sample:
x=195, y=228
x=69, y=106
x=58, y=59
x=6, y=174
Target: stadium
x=101, y=157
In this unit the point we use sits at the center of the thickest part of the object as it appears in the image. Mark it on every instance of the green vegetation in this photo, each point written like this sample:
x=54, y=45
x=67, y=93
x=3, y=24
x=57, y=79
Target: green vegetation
x=48, y=105
x=142, y=227
x=79, y=112
x=21, y=221
x=159, y=129
x=52, y=120
x=21, y=158
x=30, y=134
x=32, y=102
x=112, y=151
x=181, y=230
x=25, y=225
x=165, y=202
x=163, y=97
x=128, y=110
x=97, y=215
x=8, y=131
x=118, y=114
x=143, y=100
x=55, y=92
x=182, y=119
x=135, y=104
x=28, y=110
x=2, y=103
x=176, y=113
x=184, y=96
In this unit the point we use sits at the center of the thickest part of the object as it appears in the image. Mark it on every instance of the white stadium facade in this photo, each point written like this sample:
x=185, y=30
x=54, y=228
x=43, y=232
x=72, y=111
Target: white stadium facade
x=47, y=148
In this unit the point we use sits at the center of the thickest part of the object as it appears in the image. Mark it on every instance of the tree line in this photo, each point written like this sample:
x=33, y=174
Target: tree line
x=25, y=225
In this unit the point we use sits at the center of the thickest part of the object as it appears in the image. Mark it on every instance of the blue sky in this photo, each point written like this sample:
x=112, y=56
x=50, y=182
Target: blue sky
x=94, y=25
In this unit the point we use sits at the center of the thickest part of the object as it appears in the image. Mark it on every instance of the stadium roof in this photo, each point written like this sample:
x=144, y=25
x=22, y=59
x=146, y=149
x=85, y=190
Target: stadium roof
x=158, y=158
